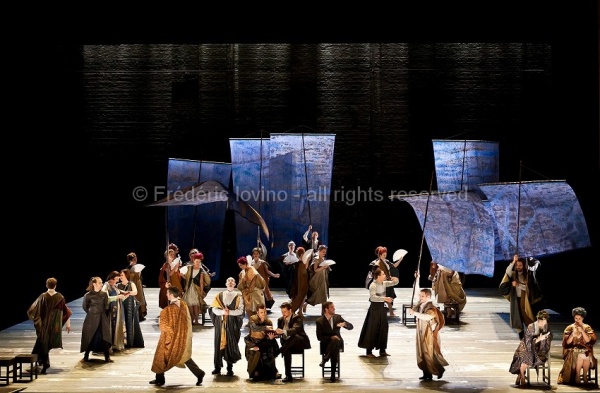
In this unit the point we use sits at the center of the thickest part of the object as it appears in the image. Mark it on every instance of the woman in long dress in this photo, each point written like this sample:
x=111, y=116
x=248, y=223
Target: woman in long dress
x=194, y=281
x=391, y=270
x=319, y=279
x=133, y=331
x=136, y=276
x=533, y=349
x=95, y=332
x=374, y=333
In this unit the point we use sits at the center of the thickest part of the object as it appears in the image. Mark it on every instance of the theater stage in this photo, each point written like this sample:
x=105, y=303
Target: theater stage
x=479, y=351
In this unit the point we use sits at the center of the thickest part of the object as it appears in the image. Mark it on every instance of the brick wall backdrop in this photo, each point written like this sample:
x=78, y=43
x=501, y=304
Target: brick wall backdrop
x=120, y=111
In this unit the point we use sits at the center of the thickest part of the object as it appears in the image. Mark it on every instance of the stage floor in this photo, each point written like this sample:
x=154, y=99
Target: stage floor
x=479, y=351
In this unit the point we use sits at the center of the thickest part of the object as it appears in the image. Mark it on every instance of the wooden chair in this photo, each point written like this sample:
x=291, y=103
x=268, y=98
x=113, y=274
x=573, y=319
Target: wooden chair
x=544, y=368
x=455, y=313
x=299, y=369
x=593, y=379
x=205, y=313
x=409, y=319
x=325, y=368
x=7, y=364
x=21, y=375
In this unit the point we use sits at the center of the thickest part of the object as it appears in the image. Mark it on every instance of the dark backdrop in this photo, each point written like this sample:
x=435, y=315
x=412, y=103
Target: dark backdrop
x=100, y=114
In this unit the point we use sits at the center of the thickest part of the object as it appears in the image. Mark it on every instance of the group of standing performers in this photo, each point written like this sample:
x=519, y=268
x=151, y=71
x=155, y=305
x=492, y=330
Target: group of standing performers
x=114, y=310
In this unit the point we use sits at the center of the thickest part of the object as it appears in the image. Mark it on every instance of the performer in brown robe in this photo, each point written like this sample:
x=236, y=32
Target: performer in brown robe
x=136, y=277
x=252, y=286
x=446, y=286
x=578, y=350
x=169, y=273
x=264, y=269
x=174, y=348
x=299, y=289
x=520, y=287
x=49, y=313
x=429, y=323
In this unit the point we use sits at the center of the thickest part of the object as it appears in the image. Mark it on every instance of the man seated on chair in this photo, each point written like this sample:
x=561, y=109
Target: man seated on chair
x=328, y=333
x=290, y=328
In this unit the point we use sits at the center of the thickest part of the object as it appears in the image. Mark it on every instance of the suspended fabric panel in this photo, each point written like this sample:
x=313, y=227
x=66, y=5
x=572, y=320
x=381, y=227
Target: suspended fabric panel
x=198, y=226
x=458, y=231
x=462, y=165
x=300, y=178
x=250, y=174
x=550, y=219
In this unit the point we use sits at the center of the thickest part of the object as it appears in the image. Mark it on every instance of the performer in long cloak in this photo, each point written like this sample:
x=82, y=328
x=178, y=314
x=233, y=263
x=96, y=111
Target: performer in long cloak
x=252, y=286
x=446, y=286
x=299, y=289
x=95, y=332
x=429, y=323
x=227, y=315
x=116, y=314
x=264, y=269
x=49, y=313
x=174, y=348
x=319, y=279
x=520, y=287
x=169, y=273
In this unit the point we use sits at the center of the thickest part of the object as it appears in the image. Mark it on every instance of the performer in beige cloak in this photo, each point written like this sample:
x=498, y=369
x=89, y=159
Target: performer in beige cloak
x=264, y=269
x=174, y=348
x=252, y=286
x=429, y=323
x=446, y=286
